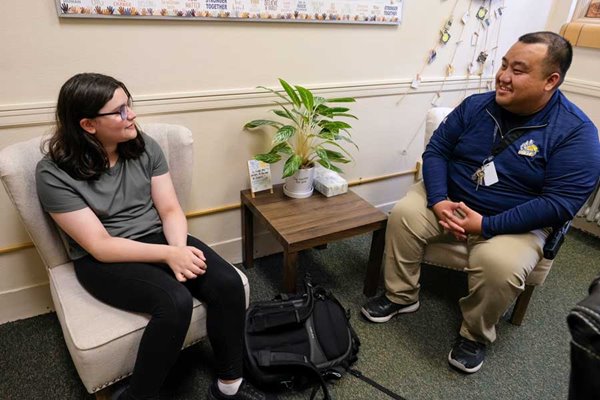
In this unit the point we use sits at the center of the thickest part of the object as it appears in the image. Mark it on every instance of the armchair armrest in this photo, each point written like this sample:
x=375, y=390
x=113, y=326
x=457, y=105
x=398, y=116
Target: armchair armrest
x=555, y=240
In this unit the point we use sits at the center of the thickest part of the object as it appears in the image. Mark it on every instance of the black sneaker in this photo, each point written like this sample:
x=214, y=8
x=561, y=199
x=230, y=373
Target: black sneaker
x=245, y=392
x=467, y=355
x=381, y=309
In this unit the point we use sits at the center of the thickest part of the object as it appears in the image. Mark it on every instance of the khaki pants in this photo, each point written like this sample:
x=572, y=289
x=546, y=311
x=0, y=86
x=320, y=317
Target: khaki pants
x=497, y=266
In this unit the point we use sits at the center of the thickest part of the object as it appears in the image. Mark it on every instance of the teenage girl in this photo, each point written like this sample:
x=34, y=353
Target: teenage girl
x=107, y=185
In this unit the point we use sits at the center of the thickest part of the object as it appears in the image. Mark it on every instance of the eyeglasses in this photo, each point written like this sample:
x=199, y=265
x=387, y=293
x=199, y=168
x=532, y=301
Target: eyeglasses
x=123, y=112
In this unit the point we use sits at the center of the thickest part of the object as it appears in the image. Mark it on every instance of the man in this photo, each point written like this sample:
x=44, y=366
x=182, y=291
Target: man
x=501, y=170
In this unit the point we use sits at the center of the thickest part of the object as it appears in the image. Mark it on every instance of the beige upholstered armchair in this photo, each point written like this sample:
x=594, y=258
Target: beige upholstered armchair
x=450, y=253
x=102, y=340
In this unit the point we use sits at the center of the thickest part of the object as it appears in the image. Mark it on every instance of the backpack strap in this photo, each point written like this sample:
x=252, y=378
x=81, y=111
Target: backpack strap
x=267, y=358
x=280, y=316
x=376, y=385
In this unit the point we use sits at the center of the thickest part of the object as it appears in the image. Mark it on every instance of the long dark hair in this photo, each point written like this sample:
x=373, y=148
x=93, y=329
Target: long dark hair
x=75, y=151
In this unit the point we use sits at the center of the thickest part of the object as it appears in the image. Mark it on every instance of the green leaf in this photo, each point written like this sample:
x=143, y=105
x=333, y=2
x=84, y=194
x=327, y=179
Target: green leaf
x=338, y=109
x=334, y=156
x=287, y=112
x=284, y=148
x=329, y=165
x=340, y=124
x=275, y=93
x=333, y=115
x=327, y=134
x=328, y=127
x=307, y=97
x=283, y=114
x=284, y=133
x=319, y=101
x=322, y=153
x=341, y=148
x=322, y=109
x=269, y=158
x=341, y=100
x=290, y=92
x=303, y=115
x=260, y=122
x=292, y=165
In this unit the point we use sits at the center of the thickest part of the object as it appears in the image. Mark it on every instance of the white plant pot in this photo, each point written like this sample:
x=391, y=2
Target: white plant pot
x=300, y=185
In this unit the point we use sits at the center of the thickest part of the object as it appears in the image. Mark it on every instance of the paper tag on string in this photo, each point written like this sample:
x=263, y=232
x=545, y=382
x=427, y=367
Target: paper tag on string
x=482, y=57
x=432, y=56
x=436, y=100
x=473, y=68
x=465, y=18
x=482, y=12
x=445, y=37
x=416, y=82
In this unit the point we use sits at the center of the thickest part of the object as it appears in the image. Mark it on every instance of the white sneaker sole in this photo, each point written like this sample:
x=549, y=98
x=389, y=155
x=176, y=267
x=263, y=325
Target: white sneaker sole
x=405, y=310
x=458, y=365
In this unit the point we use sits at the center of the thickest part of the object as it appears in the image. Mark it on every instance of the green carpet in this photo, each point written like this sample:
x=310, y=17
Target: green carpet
x=407, y=354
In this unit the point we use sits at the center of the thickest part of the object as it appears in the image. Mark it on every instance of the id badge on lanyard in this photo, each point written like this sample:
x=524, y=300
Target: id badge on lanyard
x=486, y=175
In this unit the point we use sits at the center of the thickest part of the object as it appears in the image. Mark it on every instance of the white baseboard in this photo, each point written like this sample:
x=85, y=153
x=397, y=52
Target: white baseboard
x=25, y=302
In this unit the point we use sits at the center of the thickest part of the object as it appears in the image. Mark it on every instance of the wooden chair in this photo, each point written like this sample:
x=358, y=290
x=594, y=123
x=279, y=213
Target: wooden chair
x=450, y=253
x=101, y=339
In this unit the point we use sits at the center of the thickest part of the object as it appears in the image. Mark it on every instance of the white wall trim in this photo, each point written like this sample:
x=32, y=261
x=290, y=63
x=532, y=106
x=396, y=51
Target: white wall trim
x=42, y=113
x=25, y=302
x=580, y=86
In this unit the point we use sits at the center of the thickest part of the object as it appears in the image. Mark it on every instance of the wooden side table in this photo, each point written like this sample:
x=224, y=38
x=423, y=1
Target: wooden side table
x=300, y=224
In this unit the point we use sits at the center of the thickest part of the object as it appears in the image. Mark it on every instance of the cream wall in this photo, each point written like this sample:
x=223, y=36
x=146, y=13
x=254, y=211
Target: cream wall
x=203, y=75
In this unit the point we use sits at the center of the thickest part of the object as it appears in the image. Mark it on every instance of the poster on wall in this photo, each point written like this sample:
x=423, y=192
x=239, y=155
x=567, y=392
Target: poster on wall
x=387, y=12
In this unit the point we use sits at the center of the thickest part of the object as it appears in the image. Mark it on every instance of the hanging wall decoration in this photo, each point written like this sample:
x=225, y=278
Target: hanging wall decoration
x=387, y=12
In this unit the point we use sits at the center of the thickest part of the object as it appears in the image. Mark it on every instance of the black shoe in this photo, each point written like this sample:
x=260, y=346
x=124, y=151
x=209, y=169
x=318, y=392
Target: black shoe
x=467, y=355
x=245, y=392
x=381, y=309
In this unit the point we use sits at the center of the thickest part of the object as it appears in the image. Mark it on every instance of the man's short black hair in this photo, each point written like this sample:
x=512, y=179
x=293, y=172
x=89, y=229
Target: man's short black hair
x=560, y=52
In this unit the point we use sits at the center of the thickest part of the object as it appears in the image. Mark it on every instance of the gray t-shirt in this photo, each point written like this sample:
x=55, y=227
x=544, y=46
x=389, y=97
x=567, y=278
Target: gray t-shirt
x=121, y=197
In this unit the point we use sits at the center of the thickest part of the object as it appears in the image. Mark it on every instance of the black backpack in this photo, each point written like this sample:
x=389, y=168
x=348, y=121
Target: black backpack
x=294, y=341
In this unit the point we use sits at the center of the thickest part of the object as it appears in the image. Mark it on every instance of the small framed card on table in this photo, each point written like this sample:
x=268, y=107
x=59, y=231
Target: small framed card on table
x=260, y=176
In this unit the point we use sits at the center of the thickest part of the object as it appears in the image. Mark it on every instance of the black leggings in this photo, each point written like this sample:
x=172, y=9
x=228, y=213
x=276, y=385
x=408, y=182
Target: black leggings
x=153, y=289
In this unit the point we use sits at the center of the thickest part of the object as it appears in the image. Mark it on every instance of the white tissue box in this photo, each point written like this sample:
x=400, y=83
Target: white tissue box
x=329, y=183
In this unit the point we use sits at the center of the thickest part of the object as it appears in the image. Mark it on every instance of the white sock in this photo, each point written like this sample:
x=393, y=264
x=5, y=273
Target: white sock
x=229, y=389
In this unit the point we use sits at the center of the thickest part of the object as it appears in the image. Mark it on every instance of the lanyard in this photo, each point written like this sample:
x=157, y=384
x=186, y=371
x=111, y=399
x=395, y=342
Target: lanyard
x=506, y=140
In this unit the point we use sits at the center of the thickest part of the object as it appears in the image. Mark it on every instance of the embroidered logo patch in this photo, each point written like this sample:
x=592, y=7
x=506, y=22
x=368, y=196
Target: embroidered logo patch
x=528, y=149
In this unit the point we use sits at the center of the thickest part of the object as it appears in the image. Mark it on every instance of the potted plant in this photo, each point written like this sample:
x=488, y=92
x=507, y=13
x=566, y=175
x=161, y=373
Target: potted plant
x=309, y=134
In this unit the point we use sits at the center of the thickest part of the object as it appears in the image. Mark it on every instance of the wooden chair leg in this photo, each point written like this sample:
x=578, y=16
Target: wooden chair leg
x=104, y=394
x=521, y=304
